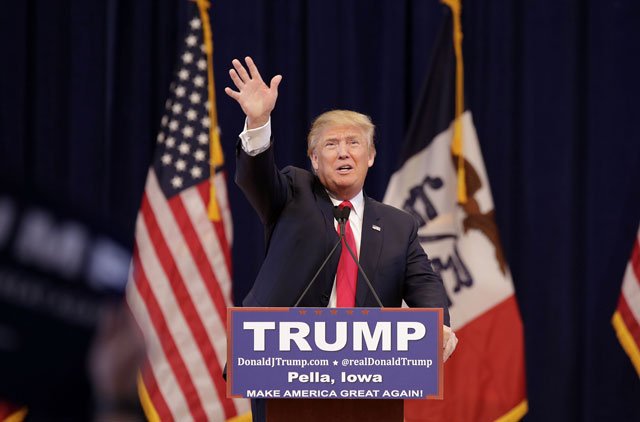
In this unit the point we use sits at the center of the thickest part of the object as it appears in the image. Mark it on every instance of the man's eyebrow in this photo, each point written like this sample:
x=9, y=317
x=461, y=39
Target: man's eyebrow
x=347, y=138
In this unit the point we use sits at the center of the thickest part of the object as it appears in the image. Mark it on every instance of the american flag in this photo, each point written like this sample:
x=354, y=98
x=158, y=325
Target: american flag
x=180, y=283
x=626, y=319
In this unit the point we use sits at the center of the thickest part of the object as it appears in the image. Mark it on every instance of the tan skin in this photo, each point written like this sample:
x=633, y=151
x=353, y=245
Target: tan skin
x=341, y=158
x=256, y=99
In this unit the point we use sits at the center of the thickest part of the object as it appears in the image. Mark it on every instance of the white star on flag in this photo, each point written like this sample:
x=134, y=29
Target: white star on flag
x=176, y=181
x=199, y=155
x=196, y=172
x=194, y=98
x=184, y=148
x=195, y=23
x=187, y=132
x=183, y=74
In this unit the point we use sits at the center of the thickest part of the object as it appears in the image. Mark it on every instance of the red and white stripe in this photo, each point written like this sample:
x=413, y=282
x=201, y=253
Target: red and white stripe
x=631, y=286
x=179, y=290
x=627, y=317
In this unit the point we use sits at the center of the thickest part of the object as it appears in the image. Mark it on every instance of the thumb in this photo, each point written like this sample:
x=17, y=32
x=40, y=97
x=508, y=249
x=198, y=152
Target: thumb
x=275, y=82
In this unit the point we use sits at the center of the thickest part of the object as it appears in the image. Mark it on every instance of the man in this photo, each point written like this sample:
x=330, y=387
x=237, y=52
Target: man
x=296, y=208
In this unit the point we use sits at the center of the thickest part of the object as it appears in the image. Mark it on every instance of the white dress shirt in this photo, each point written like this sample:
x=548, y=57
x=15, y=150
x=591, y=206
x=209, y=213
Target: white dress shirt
x=255, y=141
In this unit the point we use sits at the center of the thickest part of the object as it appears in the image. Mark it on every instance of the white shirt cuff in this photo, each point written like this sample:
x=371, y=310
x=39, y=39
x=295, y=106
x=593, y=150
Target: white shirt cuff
x=256, y=141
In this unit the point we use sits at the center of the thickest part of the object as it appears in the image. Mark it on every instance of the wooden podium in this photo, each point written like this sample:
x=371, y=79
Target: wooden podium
x=342, y=410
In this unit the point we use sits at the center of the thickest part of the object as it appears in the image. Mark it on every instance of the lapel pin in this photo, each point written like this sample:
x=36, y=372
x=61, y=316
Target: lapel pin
x=376, y=228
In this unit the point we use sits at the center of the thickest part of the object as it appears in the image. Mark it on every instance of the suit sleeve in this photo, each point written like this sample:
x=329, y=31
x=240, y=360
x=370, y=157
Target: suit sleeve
x=266, y=188
x=423, y=286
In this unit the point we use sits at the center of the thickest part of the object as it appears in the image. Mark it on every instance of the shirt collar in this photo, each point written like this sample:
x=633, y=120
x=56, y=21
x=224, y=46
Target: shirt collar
x=357, y=202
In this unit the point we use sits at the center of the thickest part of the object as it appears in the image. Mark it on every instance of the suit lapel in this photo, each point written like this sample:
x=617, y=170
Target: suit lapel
x=370, y=248
x=330, y=238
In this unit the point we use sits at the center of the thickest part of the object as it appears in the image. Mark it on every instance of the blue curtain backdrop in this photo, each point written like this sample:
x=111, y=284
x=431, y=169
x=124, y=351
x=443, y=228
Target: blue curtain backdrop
x=553, y=86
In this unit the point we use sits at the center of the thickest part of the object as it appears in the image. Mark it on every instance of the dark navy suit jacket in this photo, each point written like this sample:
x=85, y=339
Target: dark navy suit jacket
x=299, y=229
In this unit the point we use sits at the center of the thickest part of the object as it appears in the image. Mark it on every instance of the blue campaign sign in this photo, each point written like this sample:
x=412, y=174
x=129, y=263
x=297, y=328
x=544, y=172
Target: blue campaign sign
x=356, y=353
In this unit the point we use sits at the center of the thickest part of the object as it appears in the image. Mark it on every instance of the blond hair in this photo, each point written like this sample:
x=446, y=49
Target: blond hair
x=340, y=118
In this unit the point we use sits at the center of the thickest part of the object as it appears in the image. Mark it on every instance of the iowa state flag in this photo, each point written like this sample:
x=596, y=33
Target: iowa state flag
x=484, y=380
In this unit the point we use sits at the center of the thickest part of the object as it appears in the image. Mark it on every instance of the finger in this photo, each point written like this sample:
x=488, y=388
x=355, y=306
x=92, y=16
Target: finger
x=233, y=94
x=241, y=70
x=445, y=356
x=450, y=346
x=253, y=69
x=275, y=82
x=446, y=352
x=446, y=333
x=236, y=79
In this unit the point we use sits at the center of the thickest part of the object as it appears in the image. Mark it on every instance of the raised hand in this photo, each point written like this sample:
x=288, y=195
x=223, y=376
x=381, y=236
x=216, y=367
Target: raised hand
x=254, y=96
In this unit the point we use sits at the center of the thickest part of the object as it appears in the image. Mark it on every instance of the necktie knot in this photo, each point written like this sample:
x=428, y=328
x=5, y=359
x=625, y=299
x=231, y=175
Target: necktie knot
x=345, y=204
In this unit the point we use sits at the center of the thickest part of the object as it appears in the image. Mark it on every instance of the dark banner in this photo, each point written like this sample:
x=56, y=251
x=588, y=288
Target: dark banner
x=57, y=274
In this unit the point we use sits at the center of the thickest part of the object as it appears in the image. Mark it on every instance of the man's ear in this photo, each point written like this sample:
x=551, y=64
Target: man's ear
x=372, y=157
x=314, y=161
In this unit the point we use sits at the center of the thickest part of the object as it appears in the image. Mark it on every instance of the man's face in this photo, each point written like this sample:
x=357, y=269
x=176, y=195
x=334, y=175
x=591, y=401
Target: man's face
x=341, y=159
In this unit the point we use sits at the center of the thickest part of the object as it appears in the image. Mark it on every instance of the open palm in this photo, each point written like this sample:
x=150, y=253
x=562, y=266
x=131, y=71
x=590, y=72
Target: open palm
x=256, y=99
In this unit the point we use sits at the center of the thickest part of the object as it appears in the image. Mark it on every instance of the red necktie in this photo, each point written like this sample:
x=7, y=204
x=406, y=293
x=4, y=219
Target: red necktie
x=347, y=274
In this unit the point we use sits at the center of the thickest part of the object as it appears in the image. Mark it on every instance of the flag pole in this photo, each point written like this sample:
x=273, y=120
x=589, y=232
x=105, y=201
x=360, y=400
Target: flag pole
x=457, y=142
x=216, y=157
